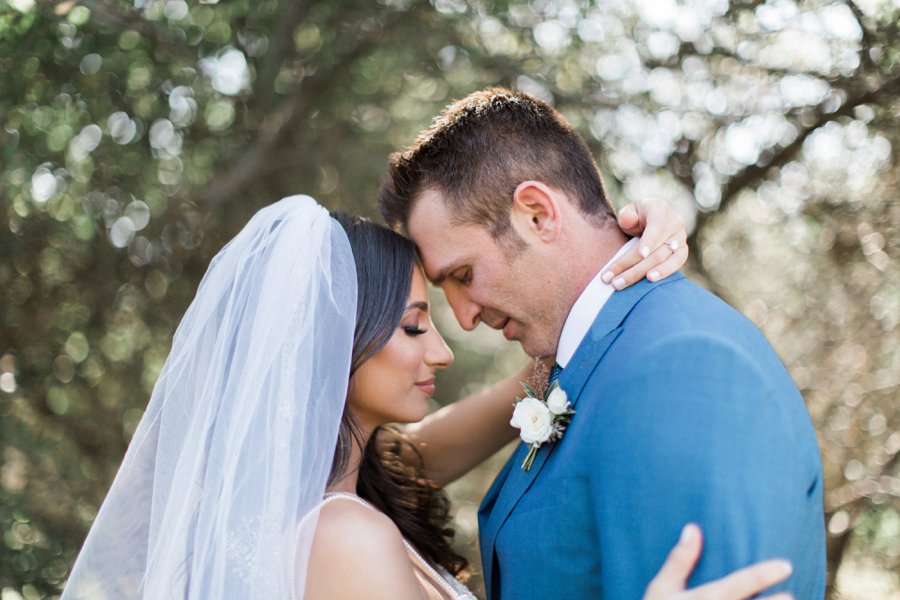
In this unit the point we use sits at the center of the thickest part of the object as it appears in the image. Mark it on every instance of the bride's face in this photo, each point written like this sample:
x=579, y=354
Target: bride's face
x=394, y=385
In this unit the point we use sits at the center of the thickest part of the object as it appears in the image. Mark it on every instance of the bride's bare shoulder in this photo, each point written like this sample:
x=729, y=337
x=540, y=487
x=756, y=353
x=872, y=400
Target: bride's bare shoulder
x=364, y=526
x=359, y=553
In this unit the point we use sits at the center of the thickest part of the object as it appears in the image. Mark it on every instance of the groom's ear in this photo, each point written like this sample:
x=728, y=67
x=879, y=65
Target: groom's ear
x=535, y=211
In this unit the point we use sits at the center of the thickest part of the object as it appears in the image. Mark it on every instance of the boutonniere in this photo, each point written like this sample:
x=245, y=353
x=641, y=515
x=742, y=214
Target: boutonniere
x=541, y=418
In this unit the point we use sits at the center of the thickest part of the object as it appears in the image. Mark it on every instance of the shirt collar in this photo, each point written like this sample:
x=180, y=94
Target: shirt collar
x=585, y=310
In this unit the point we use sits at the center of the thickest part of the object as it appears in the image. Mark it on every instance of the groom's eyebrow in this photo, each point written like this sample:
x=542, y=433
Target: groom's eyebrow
x=443, y=274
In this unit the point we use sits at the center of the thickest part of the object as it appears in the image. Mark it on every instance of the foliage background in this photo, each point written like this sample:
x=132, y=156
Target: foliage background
x=138, y=137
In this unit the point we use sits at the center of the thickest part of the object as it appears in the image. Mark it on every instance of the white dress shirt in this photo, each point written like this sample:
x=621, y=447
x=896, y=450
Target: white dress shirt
x=585, y=310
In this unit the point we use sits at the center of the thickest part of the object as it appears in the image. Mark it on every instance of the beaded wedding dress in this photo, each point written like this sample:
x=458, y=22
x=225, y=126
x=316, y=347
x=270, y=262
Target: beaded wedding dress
x=435, y=575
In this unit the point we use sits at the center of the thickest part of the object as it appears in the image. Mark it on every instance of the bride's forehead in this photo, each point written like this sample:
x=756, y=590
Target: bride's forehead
x=418, y=290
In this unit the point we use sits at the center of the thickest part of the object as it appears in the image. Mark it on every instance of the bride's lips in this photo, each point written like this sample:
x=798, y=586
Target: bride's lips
x=427, y=386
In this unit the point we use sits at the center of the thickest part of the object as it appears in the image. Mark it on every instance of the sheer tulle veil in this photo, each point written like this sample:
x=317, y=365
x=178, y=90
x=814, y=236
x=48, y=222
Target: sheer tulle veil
x=237, y=441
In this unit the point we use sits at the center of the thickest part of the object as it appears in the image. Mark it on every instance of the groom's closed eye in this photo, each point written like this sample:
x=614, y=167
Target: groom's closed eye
x=463, y=276
x=460, y=273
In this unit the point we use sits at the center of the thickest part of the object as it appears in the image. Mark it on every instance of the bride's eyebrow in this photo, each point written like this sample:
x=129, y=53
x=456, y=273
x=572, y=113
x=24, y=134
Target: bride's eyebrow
x=423, y=306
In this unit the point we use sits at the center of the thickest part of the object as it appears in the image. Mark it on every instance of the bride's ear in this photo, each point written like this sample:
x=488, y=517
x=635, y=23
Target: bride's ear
x=535, y=212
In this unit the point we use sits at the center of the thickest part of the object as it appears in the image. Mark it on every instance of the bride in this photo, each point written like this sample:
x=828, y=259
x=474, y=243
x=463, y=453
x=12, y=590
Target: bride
x=264, y=465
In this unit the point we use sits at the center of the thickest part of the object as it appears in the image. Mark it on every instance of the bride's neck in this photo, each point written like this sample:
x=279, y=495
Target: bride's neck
x=348, y=482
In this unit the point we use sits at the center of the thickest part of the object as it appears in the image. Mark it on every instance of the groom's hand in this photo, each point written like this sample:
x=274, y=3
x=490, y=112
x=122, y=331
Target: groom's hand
x=671, y=581
x=660, y=251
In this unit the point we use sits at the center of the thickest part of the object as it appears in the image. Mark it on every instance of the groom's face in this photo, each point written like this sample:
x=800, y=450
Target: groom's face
x=485, y=280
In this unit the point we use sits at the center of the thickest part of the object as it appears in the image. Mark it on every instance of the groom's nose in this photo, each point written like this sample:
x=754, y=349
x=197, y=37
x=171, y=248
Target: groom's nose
x=468, y=313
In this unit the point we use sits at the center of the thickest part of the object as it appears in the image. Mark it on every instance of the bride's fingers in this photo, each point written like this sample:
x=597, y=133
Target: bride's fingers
x=744, y=583
x=675, y=572
x=650, y=219
x=631, y=260
x=660, y=224
x=671, y=263
x=661, y=263
x=657, y=224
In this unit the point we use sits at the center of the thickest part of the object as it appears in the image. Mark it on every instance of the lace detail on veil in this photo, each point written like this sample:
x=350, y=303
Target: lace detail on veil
x=241, y=545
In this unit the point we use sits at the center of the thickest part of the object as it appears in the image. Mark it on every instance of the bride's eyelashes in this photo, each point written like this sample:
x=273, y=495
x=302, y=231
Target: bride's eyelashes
x=413, y=331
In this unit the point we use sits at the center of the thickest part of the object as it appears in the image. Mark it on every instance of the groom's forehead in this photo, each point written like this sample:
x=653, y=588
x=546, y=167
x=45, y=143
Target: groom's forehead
x=428, y=211
x=435, y=236
x=444, y=244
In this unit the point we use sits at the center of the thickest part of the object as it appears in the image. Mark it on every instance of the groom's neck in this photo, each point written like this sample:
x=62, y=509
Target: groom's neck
x=594, y=246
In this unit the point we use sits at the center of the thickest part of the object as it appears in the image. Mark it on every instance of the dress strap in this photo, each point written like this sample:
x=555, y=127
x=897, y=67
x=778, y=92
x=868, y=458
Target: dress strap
x=329, y=498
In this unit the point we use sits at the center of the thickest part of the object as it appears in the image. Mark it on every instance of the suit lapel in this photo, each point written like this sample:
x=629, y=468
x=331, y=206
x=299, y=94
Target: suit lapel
x=602, y=334
x=504, y=499
x=513, y=482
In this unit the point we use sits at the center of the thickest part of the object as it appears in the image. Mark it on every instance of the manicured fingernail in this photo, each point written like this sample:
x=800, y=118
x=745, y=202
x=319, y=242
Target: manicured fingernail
x=687, y=534
x=783, y=568
x=619, y=283
x=607, y=277
x=645, y=251
x=653, y=275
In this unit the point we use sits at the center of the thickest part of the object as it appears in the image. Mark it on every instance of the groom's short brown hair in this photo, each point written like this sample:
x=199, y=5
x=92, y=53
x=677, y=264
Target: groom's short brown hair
x=480, y=148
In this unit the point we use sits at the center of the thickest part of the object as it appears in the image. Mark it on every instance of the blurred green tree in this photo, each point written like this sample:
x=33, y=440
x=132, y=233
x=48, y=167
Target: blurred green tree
x=137, y=137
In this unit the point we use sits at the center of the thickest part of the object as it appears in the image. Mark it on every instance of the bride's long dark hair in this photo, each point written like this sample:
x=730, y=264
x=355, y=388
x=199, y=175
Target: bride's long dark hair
x=390, y=473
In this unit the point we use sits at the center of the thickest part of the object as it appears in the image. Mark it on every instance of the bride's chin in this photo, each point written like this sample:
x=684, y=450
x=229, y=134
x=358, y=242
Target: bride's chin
x=416, y=411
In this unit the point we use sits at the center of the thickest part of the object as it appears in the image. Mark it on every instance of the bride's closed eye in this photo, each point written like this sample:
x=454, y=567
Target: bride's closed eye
x=413, y=330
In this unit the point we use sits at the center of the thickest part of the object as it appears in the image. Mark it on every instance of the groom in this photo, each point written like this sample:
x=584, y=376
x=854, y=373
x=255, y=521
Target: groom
x=684, y=413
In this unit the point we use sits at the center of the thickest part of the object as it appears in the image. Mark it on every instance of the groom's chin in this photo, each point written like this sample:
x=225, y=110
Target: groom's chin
x=532, y=343
x=536, y=348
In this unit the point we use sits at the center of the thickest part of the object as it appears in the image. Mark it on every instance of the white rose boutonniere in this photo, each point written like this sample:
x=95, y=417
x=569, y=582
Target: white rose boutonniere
x=558, y=401
x=533, y=419
x=541, y=420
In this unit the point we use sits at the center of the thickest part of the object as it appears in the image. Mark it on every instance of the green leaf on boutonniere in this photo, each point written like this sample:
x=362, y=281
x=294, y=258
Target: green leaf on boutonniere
x=530, y=391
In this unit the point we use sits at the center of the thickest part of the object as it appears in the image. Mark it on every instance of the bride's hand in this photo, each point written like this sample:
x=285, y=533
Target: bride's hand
x=657, y=225
x=670, y=582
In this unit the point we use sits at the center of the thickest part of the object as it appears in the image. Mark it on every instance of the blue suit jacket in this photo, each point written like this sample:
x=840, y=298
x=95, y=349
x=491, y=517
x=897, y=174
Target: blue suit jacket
x=684, y=414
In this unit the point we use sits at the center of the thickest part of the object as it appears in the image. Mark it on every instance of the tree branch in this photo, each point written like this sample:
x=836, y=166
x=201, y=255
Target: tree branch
x=239, y=173
x=105, y=14
x=281, y=46
x=868, y=35
x=753, y=174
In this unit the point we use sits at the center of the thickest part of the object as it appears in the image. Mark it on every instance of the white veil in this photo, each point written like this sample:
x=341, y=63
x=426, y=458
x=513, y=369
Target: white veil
x=237, y=442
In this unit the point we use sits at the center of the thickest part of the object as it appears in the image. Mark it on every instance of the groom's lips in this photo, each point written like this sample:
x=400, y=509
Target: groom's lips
x=507, y=330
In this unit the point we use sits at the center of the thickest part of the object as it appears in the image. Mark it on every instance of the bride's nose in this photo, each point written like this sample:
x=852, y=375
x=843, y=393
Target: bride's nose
x=437, y=353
